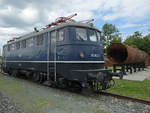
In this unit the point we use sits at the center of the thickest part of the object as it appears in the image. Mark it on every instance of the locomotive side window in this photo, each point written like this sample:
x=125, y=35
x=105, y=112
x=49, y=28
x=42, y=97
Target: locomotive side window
x=12, y=47
x=23, y=44
x=8, y=48
x=99, y=36
x=92, y=35
x=53, y=36
x=4, y=48
x=45, y=35
x=60, y=35
x=18, y=45
x=81, y=34
x=39, y=40
x=30, y=42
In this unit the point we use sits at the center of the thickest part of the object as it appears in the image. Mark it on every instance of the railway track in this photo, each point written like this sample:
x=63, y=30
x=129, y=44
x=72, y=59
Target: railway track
x=142, y=101
x=104, y=93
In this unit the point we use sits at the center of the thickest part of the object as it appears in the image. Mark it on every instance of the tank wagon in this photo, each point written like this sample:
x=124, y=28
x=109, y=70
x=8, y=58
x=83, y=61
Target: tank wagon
x=124, y=54
x=69, y=54
x=128, y=58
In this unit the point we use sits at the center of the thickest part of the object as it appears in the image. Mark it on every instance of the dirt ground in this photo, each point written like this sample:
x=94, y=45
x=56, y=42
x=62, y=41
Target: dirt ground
x=139, y=75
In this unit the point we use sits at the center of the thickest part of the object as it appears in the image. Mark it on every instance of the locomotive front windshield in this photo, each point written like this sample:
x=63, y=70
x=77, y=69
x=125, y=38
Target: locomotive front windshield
x=81, y=34
x=86, y=34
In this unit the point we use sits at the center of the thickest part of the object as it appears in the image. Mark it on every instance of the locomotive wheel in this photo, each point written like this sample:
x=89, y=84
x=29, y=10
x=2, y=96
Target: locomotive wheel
x=36, y=77
x=76, y=86
x=4, y=70
x=41, y=79
x=28, y=75
x=14, y=73
x=9, y=72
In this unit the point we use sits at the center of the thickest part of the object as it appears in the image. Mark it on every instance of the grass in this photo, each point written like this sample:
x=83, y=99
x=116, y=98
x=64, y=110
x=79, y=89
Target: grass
x=111, y=67
x=135, y=89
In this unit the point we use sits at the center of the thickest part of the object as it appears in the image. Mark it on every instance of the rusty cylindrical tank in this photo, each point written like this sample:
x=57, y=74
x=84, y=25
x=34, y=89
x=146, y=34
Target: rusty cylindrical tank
x=123, y=54
x=108, y=62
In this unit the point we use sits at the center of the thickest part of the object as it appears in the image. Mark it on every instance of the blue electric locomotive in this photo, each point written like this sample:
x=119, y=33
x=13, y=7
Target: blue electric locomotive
x=67, y=55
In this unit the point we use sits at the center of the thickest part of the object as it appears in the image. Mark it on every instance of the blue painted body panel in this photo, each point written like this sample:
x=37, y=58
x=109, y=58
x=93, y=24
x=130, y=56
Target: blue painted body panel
x=67, y=50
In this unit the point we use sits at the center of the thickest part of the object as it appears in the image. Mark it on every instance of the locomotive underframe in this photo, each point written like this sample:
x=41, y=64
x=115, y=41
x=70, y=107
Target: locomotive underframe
x=81, y=75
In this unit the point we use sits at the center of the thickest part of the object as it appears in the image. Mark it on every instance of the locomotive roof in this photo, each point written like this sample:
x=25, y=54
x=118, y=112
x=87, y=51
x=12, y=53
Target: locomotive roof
x=54, y=28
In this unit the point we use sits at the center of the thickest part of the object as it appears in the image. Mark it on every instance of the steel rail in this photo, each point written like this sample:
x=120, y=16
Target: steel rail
x=147, y=102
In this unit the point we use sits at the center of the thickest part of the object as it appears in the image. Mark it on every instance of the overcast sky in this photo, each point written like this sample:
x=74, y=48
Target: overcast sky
x=18, y=17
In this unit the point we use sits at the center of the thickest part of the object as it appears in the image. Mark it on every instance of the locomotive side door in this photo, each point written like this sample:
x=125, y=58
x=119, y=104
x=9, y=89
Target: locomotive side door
x=52, y=54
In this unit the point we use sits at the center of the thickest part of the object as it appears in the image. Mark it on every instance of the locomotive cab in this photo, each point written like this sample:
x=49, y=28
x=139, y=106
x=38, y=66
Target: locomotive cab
x=79, y=44
x=80, y=55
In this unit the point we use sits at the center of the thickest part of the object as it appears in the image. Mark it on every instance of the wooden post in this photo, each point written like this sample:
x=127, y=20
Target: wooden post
x=127, y=68
x=123, y=69
x=114, y=68
x=134, y=67
x=142, y=66
x=139, y=67
x=130, y=68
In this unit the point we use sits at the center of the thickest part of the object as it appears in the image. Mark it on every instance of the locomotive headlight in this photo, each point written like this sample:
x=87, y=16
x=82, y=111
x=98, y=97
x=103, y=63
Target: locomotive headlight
x=82, y=55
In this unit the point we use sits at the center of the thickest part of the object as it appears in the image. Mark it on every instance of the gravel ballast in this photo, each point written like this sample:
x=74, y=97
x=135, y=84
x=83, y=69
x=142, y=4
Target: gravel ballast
x=35, y=98
x=8, y=106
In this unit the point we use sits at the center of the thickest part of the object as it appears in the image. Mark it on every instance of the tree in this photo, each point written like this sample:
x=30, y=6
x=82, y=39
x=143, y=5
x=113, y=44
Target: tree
x=137, y=34
x=110, y=34
x=138, y=41
x=134, y=40
x=116, y=39
x=146, y=44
